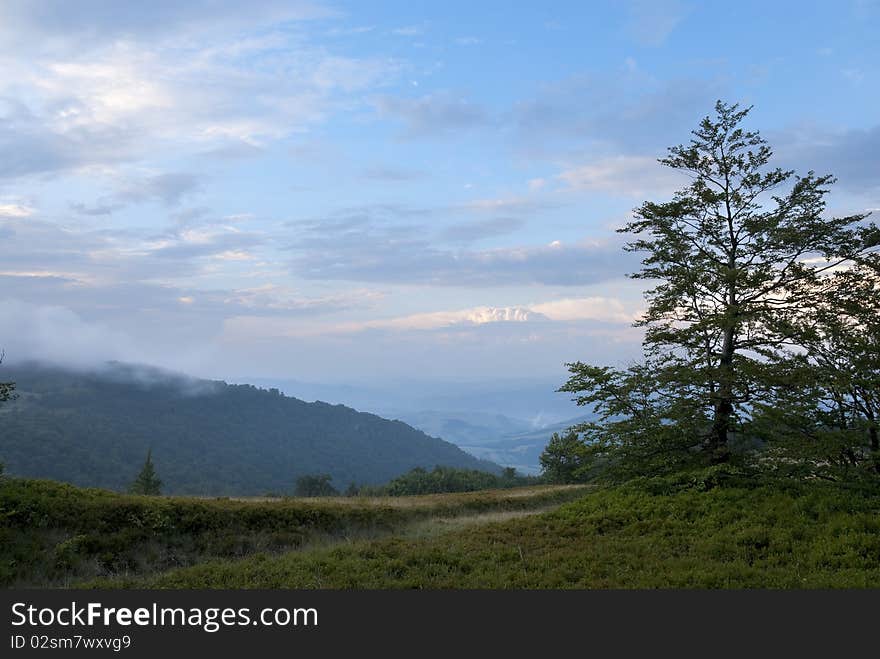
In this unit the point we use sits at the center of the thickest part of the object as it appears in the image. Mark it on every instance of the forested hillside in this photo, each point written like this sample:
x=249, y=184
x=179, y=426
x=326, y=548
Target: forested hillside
x=206, y=437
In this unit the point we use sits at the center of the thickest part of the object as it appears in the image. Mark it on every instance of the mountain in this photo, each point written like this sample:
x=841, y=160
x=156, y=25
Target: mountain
x=520, y=450
x=206, y=437
x=508, y=422
x=461, y=427
x=532, y=401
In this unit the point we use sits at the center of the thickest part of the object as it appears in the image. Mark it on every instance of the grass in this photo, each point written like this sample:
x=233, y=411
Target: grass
x=53, y=534
x=808, y=535
x=683, y=533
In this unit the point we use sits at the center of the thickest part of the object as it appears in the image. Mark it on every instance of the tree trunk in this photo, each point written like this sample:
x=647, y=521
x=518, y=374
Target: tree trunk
x=719, y=449
x=875, y=443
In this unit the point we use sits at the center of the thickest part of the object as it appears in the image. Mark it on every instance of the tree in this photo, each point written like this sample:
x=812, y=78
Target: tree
x=315, y=485
x=565, y=459
x=508, y=476
x=6, y=393
x=824, y=414
x=6, y=388
x=147, y=482
x=734, y=256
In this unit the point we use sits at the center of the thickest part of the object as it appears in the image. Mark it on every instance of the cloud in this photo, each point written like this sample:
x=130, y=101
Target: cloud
x=650, y=22
x=437, y=319
x=400, y=244
x=601, y=309
x=112, y=90
x=636, y=176
x=67, y=27
x=402, y=255
x=601, y=115
x=57, y=334
x=271, y=298
x=408, y=31
x=349, y=31
x=853, y=156
x=113, y=301
x=391, y=174
x=471, y=231
x=100, y=207
x=120, y=255
x=604, y=309
x=234, y=150
x=536, y=184
x=33, y=144
x=15, y=210
x=169, y=188
x=508, y=205
x=433, y=115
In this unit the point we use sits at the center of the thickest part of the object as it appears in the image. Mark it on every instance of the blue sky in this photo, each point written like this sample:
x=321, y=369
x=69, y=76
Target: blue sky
x=370, y=191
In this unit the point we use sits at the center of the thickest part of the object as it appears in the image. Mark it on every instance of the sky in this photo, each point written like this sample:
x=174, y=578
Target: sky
x=365, y=192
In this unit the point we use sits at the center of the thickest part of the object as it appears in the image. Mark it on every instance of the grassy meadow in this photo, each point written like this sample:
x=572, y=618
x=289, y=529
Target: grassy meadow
x=651, y=534
x=58, y=535
x=805, y=536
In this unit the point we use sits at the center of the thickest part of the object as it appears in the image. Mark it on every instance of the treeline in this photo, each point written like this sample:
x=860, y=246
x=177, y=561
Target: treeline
x=438, y=480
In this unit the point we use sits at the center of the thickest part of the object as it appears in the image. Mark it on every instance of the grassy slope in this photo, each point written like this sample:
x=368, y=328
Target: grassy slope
x=780, y=536
x=53, y=534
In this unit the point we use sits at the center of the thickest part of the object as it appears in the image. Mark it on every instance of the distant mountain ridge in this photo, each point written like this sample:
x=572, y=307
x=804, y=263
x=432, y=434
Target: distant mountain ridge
x=207, y=437
x=505, y=441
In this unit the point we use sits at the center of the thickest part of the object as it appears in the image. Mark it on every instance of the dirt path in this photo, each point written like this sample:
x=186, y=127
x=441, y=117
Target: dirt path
x=427, y=528
x=440, y=525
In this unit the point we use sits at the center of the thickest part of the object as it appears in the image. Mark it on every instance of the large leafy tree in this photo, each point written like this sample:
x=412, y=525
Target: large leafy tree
x=732, y=256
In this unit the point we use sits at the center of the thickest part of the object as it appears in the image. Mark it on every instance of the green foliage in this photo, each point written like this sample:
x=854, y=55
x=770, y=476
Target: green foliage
x=147, y=482
x=7, y=389
x=767, y=535
x=741, y=256
x=316, y=485
x=214, y=439
x=447, y=479
x=822, y=415
x=566, y=459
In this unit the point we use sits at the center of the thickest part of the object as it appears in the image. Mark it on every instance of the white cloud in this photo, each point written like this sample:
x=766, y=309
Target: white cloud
x=124, y=99
x=537, y=184
x=234, y=255
x=57, y=334
x=434, y=320
x=652, y=21
x=15, y=210
x=604, y=309
x=408, y=31
x=272, y=297
x=566, y=310
x=625, y=175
